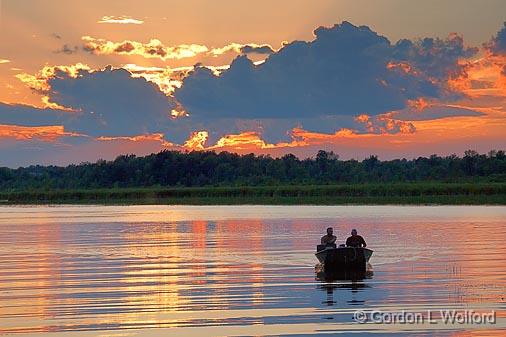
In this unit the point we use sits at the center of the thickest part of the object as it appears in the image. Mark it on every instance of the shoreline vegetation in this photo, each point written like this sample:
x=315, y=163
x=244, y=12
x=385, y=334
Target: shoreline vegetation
x=364, y=194
x=210, y=178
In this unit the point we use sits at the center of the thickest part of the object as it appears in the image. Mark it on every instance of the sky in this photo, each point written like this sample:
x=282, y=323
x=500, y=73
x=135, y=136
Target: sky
x=88, y=80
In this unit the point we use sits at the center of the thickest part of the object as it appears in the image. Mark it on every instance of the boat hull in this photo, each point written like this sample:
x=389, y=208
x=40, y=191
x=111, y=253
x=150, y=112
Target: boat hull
x=344, y=258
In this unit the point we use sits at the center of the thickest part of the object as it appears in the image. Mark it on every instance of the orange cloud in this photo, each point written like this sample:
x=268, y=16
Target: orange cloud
x=36, y=83
x=443, y=135
x=3, y=61
x=241, y=141
x=52, y=105
x=485, y=77
x=122, y=19
x=156, y=49
x=305, y=138
x=43, y=133
x=252, y=140
x=482, y=77
x=153, y=49
x=418, y=104
x=244, y=141
x=156, y=137
x=384, y=124
x=197, y=140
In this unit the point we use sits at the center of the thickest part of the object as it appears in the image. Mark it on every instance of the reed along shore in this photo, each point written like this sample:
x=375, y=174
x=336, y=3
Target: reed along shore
x=370, y=194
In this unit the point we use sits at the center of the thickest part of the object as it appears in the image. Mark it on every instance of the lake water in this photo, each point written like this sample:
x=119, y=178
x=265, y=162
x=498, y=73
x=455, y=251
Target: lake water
x=248, y=270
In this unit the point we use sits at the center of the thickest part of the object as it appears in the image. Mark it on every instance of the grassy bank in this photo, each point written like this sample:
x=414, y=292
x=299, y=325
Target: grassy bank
x=401, y=193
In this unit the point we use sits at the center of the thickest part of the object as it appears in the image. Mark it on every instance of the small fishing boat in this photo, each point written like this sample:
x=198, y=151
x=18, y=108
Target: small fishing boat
x=343, y=258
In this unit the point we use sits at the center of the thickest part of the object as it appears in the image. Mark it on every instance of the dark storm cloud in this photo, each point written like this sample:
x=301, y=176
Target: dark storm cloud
x=345, y=70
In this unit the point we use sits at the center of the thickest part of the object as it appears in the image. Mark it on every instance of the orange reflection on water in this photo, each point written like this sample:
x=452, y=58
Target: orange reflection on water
x=105, y=273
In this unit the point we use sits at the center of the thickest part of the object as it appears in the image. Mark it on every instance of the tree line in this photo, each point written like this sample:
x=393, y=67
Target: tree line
x=208, y=168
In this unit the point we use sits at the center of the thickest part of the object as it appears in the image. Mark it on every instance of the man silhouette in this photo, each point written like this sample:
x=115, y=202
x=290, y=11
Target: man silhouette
x=355, y=240
x=330, y=238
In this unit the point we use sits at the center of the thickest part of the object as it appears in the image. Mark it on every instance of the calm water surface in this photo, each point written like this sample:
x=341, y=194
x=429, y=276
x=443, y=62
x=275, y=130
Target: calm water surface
x=245, y=270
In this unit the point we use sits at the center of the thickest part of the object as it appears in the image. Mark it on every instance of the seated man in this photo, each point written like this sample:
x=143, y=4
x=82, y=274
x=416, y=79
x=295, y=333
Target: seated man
x=355, y=240
x=330, y=238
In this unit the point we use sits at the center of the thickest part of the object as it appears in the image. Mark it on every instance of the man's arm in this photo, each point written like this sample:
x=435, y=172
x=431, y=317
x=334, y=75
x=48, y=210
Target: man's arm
x=363, y=242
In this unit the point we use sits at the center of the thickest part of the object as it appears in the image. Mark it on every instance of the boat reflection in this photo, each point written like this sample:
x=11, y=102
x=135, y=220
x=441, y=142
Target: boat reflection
x=341, y=280
x=343, y=274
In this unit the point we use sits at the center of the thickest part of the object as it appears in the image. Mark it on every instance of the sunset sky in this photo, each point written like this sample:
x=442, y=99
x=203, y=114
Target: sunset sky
x=84, y=80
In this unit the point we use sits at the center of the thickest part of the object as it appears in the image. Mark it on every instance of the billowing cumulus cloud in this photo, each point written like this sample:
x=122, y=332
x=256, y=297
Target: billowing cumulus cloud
x=347, y=83
x=111, y=102
x=121, y=19
x=322, y=86
x=345, y=70
x=104, y=102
